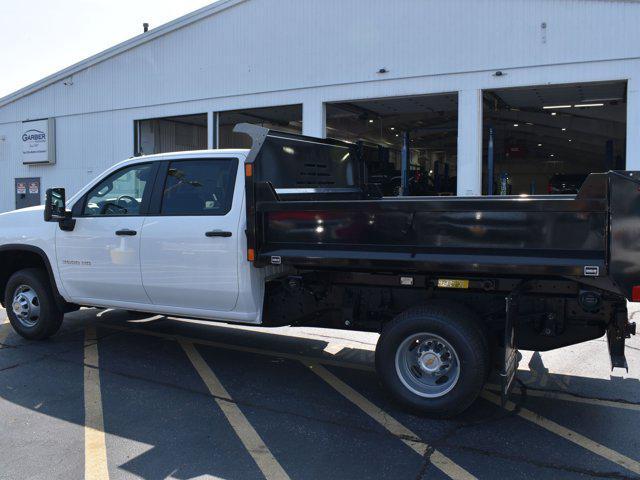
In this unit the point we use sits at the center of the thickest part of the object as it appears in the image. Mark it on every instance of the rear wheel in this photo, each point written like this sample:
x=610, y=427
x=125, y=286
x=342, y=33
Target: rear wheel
x=433, y=359
x=31, y=306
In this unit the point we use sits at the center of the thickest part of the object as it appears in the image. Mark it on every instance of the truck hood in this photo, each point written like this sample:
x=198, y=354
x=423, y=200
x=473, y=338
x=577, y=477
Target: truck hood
x=17, y=225
x=27, y=227
x=28, y=210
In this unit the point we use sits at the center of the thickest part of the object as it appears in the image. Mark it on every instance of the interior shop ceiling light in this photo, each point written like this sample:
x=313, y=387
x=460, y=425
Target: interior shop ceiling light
x=589, y=105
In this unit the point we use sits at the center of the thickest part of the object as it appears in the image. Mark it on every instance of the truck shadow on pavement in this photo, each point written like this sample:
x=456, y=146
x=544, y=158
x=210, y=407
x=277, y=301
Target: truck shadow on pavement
x=161, y=419
x=615, y=388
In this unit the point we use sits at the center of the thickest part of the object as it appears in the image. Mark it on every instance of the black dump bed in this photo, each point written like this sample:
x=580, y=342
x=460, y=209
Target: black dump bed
x=309, y=206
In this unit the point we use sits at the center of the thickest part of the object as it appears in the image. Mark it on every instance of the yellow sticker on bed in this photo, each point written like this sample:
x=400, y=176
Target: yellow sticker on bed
x=450, y=283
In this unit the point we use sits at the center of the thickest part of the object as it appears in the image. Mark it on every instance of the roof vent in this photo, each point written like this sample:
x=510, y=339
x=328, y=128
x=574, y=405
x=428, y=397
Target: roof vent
x=145, y=27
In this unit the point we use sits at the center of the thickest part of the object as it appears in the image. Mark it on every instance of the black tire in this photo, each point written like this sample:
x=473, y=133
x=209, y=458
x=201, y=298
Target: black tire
x=457, y=326
x=49, y=317
x=483, y=331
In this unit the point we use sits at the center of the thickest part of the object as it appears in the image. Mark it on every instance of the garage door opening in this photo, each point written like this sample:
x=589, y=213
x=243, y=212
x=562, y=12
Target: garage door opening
x=427, y=125
x=286, y=118
x=548, y=139
x=171, y=134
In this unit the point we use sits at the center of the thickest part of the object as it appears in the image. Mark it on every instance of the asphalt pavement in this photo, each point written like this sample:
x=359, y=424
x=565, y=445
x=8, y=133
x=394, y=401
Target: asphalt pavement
x=123, y=396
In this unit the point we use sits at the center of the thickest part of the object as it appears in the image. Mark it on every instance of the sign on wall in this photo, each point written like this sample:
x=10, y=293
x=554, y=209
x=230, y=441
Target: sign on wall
x=39, y=142
x=27, y=192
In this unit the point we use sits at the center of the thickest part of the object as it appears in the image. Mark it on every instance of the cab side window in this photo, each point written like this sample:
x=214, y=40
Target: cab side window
x=199, y=187
x=120, y=194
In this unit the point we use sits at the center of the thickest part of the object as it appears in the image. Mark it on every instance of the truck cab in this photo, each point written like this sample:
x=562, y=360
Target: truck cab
x=162, y=233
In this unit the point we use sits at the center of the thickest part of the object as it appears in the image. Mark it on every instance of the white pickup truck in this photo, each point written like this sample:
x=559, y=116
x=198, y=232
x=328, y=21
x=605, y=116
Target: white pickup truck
x=290, y=233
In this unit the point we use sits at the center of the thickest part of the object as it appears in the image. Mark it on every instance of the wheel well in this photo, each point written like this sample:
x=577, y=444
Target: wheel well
x=19, y=258
x=14, y=260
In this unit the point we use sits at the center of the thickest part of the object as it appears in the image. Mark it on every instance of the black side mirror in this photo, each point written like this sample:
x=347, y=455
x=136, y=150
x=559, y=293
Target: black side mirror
x=55, y=209
x=55, y=206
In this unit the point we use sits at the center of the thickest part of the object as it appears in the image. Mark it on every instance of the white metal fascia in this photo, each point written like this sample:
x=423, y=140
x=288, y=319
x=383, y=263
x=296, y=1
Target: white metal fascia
x=169, y=27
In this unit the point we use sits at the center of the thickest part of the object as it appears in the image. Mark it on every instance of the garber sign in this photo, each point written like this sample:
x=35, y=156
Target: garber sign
x=38, y=144
x=34, y=136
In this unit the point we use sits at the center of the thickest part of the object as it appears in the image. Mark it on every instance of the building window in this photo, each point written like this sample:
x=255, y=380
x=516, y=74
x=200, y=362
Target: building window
x=548, y=139
x=287, y=118
x=171, y=134
x=428, y=122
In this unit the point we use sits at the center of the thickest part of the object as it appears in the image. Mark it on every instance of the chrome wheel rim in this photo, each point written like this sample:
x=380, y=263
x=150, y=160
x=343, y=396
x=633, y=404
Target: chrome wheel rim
x=26, y=306
x=427, y=365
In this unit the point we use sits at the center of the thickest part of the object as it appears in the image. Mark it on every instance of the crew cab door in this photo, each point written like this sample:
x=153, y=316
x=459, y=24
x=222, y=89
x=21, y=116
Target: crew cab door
x=189, y=241
x=100, y=259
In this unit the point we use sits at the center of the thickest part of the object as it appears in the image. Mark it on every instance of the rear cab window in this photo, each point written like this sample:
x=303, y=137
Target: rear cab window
x=199, y=187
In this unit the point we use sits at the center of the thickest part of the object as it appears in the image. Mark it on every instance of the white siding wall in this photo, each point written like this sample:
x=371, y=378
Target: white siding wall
x=273, y=52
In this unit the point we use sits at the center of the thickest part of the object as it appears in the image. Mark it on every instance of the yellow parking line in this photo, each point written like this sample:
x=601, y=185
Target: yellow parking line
x=239, y=348
x=333, y=348
x=5, y=329
x=95, y=449
x=570, y=398
x=443, y=463
x=247, y=434
x=570, y=435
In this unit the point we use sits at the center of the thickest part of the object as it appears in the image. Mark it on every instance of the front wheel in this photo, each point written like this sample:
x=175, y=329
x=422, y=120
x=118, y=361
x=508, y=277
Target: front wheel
x=433, y=359
x=31, y=306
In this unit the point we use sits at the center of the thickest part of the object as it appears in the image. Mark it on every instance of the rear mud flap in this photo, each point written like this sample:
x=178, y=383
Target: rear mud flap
x=510, y=357
x=617, y=332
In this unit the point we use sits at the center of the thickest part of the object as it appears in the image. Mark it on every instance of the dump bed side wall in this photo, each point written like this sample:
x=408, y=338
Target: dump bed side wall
x=309, y=205
x=387, y=224
x=544, y=235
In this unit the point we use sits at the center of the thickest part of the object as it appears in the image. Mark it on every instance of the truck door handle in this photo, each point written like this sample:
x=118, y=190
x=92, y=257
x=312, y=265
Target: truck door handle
x=126, y=233
x=218, y=233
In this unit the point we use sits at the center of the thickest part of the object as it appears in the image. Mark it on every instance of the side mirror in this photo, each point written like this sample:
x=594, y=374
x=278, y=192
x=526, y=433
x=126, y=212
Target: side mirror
x=55, y=207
